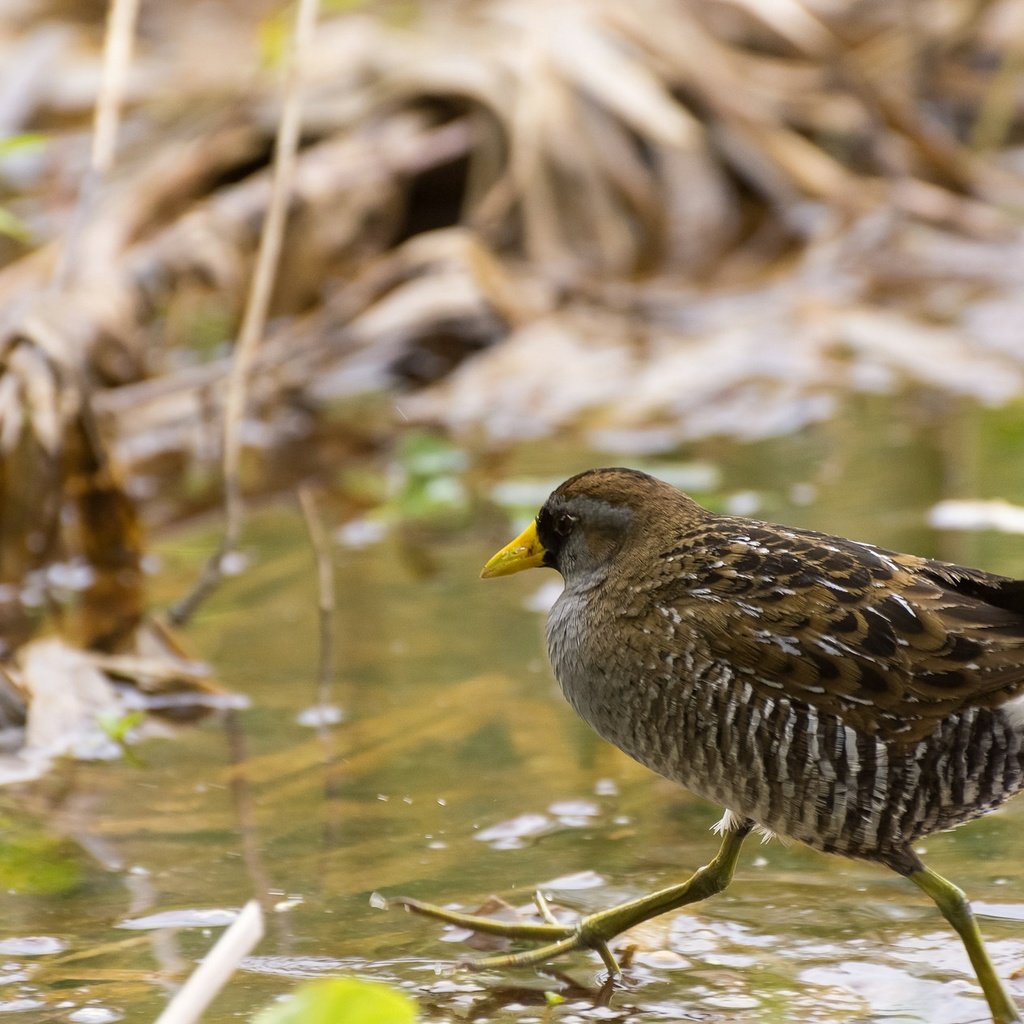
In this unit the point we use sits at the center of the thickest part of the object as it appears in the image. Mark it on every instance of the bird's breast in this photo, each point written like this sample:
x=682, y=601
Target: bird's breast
x=634, y=693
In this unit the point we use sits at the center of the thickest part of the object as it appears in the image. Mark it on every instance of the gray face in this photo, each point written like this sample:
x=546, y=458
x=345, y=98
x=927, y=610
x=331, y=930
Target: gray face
x=582, y=535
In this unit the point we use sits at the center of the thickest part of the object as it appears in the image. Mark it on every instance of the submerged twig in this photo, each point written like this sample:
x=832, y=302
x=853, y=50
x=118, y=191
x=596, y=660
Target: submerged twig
x=325, y=580
x=324, y=713
x=245, y=808
x=255, y=316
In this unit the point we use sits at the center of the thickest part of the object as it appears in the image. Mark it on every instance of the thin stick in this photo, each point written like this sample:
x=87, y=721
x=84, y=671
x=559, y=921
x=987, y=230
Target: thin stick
x=117, y=56
x=217, y=967
x=255, y=317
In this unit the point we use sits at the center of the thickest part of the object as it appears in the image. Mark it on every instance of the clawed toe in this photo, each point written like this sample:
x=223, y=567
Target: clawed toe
x=552, y=930
x=561, y=938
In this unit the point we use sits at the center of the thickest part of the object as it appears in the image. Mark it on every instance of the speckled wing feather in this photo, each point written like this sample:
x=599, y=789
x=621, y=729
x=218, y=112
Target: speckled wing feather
x=890, y=643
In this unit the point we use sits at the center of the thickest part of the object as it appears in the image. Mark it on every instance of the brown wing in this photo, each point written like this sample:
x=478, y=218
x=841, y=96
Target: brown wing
x=888, y=642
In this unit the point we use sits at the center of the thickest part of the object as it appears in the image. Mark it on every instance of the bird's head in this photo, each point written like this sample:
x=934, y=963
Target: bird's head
x=594, y=520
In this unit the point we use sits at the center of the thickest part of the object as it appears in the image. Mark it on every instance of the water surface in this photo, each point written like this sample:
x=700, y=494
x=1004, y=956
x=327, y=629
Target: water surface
x=458, y=772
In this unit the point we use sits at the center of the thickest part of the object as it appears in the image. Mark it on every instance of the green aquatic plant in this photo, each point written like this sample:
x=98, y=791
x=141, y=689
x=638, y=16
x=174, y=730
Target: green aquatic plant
x=341, y=1001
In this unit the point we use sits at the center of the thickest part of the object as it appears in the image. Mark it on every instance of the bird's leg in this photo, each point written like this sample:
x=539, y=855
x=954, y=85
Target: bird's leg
x=595, y=930
x=957, y=911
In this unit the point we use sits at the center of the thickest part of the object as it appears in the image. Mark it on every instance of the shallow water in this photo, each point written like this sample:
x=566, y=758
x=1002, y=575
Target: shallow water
x=457, y=771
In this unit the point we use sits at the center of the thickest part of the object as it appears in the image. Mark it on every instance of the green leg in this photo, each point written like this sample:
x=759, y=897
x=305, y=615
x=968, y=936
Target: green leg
x=595, y=930
x=957, y=911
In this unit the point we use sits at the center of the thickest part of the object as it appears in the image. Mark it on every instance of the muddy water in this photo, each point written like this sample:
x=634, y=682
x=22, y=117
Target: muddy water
x=456, y=771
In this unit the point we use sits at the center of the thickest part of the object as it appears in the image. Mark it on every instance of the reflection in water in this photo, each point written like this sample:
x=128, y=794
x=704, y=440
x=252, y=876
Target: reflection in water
x=456, y=771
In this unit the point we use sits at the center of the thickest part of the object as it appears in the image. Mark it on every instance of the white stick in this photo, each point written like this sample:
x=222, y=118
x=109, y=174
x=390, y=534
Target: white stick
x=117, y=57
x=217, y=966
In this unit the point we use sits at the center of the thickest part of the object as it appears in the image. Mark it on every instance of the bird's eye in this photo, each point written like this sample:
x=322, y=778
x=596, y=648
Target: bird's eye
x=563, y=524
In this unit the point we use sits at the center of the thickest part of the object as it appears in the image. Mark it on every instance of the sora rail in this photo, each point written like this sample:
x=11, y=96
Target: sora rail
x=849, y=697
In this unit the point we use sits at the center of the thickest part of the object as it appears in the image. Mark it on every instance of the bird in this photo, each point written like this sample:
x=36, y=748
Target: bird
x=821, y=689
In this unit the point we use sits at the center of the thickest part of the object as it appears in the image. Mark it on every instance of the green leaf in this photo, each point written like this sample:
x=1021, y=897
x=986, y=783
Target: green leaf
x=422, y=454
x=117, y=727
x=26, y=140
x=341, y=1001
x=431, y=487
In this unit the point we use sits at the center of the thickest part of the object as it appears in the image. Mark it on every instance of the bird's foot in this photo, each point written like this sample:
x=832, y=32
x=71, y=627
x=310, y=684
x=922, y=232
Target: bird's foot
x=594, y=931
x=560, y=937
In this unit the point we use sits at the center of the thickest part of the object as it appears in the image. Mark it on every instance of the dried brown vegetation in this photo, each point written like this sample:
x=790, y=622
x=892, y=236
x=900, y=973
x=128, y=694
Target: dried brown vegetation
x=657, y=219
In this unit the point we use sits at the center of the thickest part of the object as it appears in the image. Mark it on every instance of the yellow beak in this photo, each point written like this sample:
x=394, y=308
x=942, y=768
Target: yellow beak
x=525, y=552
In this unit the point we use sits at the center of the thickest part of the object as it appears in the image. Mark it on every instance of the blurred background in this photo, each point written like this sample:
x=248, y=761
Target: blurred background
x=770, y=250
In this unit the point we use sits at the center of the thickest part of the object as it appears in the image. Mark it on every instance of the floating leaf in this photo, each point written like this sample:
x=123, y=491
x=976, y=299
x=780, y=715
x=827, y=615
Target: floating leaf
x=341, y=1001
